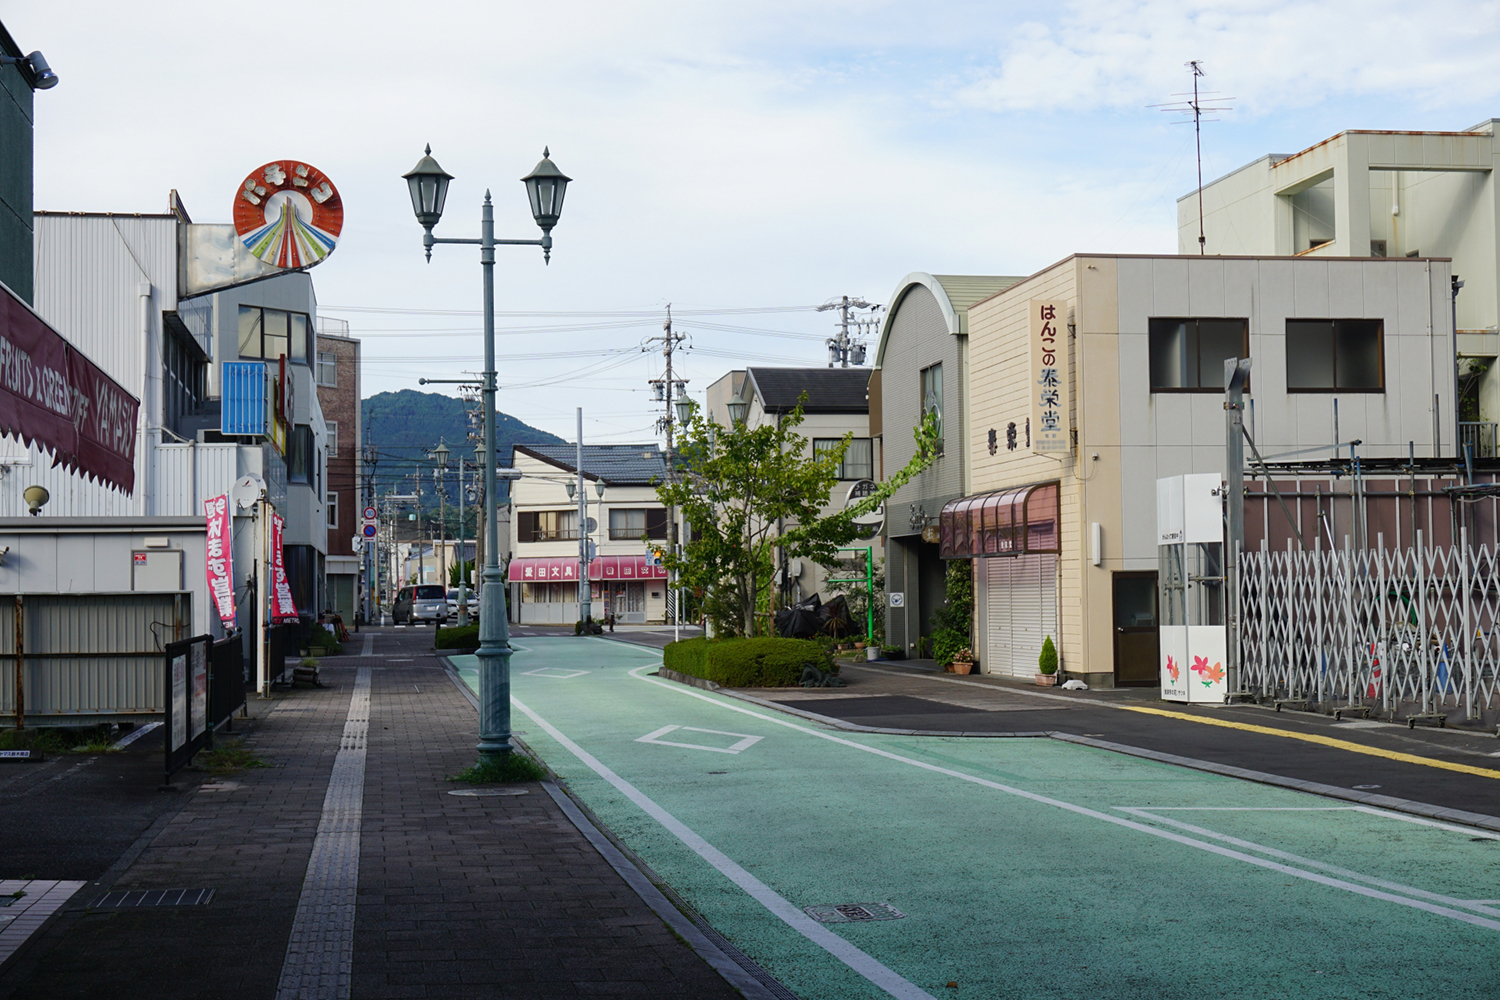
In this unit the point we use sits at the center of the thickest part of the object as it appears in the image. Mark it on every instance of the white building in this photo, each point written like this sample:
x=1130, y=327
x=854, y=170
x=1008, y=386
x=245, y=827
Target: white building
x=544, y=569
x=1378, y=194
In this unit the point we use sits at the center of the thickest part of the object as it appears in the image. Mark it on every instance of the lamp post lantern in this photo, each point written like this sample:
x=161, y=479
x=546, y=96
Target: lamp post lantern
x=545, y=188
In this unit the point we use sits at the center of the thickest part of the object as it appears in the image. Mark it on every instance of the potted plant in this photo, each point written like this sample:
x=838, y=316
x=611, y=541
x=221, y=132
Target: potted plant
x=963, y=661
x=1046, y=664
x=892, y=653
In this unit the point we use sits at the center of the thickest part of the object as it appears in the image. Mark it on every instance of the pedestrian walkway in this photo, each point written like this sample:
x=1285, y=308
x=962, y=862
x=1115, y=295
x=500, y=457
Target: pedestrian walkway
x=349, y=869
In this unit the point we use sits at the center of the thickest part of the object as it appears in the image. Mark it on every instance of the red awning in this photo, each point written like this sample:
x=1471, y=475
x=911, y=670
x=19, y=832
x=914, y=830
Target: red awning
x=1006, y=522
x=57, y=399
x=539, y=569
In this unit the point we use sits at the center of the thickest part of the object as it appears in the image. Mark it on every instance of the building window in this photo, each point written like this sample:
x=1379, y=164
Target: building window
x=932, y=397
x=270, y=333
x=331, y=511
x=327, y=370
x=333, y=438
x=859, y=460
x=632, y=524
x=299, y=454
x=1188, y=355
x=547, y=525
x=1335, y=355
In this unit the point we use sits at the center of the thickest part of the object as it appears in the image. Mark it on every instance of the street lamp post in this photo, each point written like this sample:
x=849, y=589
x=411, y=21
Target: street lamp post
x=545, y=188
x=439, y=457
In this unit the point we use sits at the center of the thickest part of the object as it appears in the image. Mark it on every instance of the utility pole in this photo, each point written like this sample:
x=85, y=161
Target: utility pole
x=371, y=458
x=841, y=351
x=665, y=387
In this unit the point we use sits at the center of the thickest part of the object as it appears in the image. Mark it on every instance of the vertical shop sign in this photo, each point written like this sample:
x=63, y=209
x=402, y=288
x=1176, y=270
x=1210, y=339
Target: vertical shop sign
x=282, y=606
x=1049, y=378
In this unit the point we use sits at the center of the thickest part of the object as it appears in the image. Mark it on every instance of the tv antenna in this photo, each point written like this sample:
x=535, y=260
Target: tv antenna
x=1199, y=108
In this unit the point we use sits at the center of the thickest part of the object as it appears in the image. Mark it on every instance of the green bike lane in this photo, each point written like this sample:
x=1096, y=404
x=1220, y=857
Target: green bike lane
x=1022, y=867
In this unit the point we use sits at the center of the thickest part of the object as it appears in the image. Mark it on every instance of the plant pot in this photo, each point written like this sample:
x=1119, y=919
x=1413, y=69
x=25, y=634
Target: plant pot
x=859, y=645
x=962, y=667
x=1046, y=680
x=872, y=653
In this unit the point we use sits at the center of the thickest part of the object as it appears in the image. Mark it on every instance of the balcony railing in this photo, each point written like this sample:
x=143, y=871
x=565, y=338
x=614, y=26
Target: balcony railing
x=1478, y=436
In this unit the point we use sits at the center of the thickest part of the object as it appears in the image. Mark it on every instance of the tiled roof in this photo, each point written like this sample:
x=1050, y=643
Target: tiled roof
x=829, y=390
x=620, y=464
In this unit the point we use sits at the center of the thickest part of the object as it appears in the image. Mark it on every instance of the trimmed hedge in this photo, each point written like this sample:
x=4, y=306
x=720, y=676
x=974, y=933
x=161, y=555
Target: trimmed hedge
x=466, y=637
x=759, y=662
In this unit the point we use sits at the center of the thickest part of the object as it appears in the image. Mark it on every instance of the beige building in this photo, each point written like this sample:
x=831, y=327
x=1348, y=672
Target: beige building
x=1065, y=543
x=1378, y=194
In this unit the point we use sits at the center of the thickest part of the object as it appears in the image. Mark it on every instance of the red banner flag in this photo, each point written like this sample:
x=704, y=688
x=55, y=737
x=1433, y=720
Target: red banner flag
x=282, y=606
x=218, y=558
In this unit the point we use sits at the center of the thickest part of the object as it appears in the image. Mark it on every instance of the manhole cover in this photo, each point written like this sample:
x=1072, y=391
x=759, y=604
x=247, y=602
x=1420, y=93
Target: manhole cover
x=154, y=897
x=488, y=791
x=844, y=913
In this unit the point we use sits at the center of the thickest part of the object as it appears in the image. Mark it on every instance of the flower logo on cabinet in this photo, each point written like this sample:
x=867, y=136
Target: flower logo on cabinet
x=1211, y=674
x=288, y=214
x=1173, y=669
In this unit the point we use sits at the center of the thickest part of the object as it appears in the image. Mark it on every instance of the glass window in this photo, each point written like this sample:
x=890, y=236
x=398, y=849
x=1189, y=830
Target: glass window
x=627, y=524
x=548, y=525
x=327, y=370
x=1335, y=355
x=932, y=397
x=1188, y=355
x=859, y=460
x=333, y=438
x=270, y=333
x=299, y=454
x=331, y=511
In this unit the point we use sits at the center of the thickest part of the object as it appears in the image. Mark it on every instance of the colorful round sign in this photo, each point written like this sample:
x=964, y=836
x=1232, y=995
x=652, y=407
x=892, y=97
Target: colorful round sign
x=288, y=214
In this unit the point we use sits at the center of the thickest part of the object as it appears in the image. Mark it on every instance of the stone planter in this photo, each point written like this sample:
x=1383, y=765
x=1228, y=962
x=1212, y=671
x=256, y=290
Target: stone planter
x=1046, y=680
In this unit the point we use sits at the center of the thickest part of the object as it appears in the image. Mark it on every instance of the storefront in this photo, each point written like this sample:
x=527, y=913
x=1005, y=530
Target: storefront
x=631, y=587
x=1012, y=537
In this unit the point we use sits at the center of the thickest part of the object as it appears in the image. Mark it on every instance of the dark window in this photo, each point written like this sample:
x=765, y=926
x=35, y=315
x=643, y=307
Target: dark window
x=859, y=460
x=1335, y=355
x=932, y=398
x=270, y=333
x=184, y=374
x=299, y=454
x=656, y=522
x=1188, y=355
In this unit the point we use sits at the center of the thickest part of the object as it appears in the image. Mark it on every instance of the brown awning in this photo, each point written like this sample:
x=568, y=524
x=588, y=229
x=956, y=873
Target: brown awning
x=1008, y=522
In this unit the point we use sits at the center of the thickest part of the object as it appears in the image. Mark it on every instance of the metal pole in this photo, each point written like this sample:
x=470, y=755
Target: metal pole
x=463, y=576
x=585, y=606
x=262, y=595
x=494, y=631
x=20, y=663
x=1236, y=371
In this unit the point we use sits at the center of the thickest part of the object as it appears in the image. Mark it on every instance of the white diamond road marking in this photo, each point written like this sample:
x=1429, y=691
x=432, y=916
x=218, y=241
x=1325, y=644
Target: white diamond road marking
x=745, y=742
x=556, y=673
x=320, y=951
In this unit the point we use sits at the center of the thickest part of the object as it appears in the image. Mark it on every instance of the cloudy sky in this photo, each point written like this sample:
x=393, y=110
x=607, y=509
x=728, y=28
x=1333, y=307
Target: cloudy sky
x=743, y=162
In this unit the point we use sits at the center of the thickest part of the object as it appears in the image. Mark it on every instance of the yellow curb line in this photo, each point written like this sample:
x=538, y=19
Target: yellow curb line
x=1326, y=741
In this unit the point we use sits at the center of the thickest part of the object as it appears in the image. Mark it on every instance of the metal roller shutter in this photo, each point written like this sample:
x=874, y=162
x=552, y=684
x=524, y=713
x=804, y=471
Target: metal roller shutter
x=1021, y=610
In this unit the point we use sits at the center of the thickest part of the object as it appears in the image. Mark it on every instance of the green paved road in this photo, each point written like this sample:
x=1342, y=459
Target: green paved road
x=1024, y=867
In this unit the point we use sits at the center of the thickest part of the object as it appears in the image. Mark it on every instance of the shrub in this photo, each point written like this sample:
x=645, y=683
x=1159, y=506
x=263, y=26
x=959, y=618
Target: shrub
x=464, y=637
x=593, y=627
x=759, y=662
x=320, y=635
x=1047, y=662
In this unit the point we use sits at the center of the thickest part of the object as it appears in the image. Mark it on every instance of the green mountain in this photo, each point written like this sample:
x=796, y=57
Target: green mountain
x=405, y=426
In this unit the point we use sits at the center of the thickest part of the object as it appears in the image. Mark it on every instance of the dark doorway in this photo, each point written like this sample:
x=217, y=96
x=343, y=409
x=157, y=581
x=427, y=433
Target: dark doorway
x=1136, y=649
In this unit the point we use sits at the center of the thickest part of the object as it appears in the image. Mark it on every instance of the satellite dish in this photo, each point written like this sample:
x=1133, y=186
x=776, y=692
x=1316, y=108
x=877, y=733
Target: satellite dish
x=246, y=491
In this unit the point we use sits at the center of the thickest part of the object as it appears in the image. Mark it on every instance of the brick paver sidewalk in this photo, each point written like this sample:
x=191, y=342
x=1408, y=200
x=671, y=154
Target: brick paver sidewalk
x=458, y=896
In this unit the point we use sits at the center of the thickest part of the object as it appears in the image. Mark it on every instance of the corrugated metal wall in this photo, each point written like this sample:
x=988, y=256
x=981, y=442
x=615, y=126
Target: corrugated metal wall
x=100, y=678
x=188, y=474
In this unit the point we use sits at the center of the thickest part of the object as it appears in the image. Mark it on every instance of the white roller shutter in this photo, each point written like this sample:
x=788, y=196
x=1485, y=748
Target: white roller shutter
x=1021, y=595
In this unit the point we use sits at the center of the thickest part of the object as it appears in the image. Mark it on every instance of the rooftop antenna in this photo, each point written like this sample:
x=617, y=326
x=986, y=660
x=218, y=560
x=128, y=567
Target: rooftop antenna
x=1199, y=107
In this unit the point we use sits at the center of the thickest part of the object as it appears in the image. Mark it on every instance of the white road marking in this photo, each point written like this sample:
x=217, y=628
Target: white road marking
x=1198, y=844
x=369, y=644
x=856, y=959
x=560, y=674
x=745, y=743
x=1309, y=862
x=135, y=734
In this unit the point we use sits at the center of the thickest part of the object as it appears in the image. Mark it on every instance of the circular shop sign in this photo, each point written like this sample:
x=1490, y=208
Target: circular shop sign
x=288, y=214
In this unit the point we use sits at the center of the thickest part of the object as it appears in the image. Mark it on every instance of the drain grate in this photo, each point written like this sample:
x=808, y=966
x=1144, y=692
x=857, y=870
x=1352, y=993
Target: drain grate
x=153, y=897
x=845, y=913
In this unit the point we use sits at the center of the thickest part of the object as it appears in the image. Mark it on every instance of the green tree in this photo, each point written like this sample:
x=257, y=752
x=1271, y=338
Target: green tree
x=743, y=491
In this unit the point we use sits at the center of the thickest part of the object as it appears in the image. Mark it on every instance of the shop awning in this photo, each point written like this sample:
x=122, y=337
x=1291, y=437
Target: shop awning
x=57, y=399
x=540, y=569
x=1009, y=522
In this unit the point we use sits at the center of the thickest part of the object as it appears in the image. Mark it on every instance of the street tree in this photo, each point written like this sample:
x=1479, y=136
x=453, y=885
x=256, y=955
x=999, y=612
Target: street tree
x=744, y=491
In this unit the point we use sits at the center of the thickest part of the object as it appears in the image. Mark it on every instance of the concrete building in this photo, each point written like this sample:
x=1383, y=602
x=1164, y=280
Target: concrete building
x=544, y=570
x=921, y=366
x=1065, y=543
x=18, y=83
x=1379, y=194
x=837, y=404
x=336, y=375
